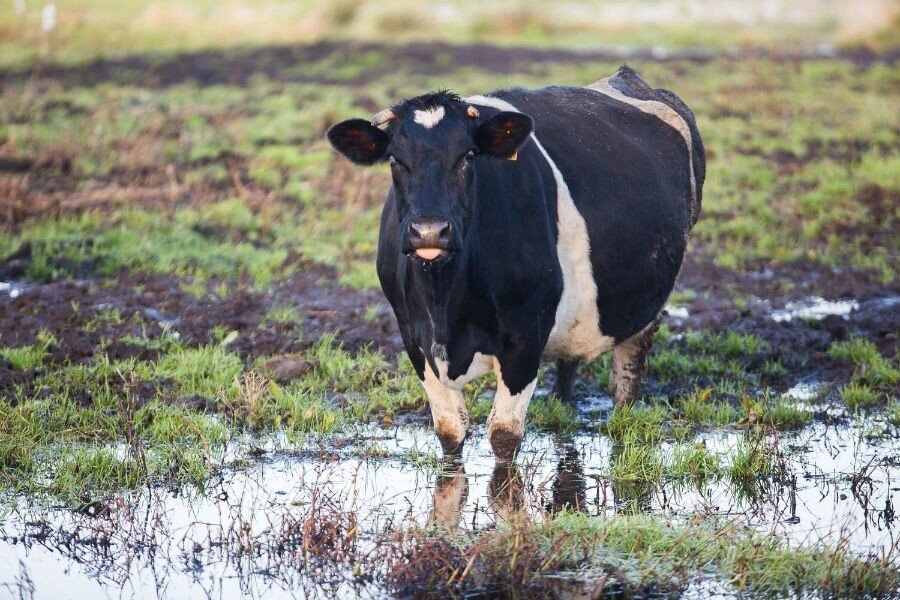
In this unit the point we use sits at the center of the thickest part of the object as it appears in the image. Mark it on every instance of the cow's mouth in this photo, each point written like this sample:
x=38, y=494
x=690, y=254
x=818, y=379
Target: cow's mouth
x=429, y=254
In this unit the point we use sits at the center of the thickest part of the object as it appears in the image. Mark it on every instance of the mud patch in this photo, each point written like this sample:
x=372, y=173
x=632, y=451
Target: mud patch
x=87, y=316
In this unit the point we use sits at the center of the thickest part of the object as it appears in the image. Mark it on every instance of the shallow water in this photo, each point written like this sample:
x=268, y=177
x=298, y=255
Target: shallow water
x=235, y=539
x=11, y=289
x=814, y=308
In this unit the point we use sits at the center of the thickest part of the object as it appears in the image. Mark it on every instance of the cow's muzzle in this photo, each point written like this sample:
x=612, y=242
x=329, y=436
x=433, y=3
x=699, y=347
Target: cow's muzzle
x=429, y=237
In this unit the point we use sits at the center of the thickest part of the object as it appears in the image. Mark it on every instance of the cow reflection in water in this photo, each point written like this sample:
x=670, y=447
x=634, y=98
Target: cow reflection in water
x=506, y=491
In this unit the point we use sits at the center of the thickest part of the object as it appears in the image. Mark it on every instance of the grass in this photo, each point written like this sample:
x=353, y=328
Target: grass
x=24, y=358
x=633, y=423
x=893, y=413
x=258, y=198
x=552, y=414
x=874, y=378
x=627, y=554
x=94, y=408
x=700, y=407
x=859, y=396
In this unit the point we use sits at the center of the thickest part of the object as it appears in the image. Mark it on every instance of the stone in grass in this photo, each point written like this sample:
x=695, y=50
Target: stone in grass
x=285, y=367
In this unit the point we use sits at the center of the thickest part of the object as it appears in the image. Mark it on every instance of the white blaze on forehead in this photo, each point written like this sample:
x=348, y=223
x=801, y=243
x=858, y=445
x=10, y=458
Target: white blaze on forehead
x=576, y=331
x=430, y=117
x=664, y=113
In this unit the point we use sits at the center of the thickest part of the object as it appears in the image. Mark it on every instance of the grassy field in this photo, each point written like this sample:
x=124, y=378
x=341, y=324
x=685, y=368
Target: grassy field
x=188, y=305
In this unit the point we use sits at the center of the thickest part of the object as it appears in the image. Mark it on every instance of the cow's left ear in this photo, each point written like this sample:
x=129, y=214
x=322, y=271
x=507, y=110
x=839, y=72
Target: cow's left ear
x=359, y=140
x=502, y=134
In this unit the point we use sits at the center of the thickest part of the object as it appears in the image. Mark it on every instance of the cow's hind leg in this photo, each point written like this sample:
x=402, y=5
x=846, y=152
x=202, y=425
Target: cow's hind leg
x=449, y=413
x=565, y=378
x=628, y=363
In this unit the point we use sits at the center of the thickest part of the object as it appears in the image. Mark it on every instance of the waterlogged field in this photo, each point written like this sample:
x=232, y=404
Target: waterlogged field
x=202, y=392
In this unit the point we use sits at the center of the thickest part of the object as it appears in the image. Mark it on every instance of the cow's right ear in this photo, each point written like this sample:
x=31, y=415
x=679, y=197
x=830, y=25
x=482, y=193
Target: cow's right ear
x=359, y=140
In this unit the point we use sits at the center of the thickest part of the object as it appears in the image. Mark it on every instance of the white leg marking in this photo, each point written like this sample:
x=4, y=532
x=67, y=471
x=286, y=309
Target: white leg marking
x=448, y=410
x=430, y=117
x=509, y=410
x=576, y=331
x=480, y=365
x=664, y=113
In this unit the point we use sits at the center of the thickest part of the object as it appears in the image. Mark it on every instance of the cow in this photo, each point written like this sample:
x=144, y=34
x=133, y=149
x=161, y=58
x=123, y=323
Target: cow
x=524, y=225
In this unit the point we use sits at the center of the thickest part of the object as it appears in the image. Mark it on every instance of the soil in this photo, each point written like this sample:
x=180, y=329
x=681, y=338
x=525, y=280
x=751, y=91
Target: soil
x=73, y=310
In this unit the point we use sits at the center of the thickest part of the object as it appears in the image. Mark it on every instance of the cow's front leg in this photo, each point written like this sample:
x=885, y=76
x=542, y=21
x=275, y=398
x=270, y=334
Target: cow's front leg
x=506, y=423
x=448, y=411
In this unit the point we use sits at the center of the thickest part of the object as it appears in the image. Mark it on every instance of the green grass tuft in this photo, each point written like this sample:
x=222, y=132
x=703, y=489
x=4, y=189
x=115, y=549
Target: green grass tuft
x=629, y=423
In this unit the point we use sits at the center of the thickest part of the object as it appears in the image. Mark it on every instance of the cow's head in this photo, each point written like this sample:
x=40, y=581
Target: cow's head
x=432, y=144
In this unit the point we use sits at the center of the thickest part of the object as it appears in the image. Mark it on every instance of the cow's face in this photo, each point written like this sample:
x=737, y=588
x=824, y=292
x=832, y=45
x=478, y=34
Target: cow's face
x=432, y=144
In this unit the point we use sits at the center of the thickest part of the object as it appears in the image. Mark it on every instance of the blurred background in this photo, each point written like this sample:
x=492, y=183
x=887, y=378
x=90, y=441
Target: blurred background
x=77, y=29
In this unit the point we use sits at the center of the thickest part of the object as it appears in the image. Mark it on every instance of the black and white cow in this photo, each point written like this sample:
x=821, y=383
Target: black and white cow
x=530, y=224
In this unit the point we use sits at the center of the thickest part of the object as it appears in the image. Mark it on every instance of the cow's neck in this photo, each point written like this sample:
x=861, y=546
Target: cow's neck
x=438, y=289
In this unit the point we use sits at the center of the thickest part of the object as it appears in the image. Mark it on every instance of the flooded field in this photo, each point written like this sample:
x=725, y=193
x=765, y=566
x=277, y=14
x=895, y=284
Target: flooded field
x=316, y=518
x=203, y=392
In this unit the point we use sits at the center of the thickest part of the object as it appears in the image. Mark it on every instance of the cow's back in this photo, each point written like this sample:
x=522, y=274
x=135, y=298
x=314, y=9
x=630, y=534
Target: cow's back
x=633, y=178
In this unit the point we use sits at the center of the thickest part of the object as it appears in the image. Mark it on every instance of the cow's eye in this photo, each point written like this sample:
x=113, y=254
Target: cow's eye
x=470, y=156
x=467, y=158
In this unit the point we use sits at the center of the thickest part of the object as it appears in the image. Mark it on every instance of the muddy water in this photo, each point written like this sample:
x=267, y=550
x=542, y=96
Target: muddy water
x=238, y=537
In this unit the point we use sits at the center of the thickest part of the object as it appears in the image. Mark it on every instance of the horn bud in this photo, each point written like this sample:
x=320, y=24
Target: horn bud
x=472, y=112
x=383, y=117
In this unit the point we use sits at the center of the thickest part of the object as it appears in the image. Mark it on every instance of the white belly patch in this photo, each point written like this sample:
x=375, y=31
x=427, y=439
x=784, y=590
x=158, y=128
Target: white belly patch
x=481, y=364
x=576, y=330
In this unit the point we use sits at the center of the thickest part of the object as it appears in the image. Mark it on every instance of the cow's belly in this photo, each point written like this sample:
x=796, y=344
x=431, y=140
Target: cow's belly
x=481, y=364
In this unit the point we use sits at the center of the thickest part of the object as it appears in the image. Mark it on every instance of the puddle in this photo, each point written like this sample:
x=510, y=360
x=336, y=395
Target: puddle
x=238, y=538
x=677, y=312
x=804, y=391
x=814, y=308
x=11, y=289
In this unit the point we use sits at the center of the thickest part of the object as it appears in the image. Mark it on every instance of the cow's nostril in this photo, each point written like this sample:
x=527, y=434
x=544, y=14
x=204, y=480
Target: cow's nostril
x=429, y=232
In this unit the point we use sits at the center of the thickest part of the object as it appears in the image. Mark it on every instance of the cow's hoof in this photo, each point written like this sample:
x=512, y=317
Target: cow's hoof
x=452, y=446
x=505, y=444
